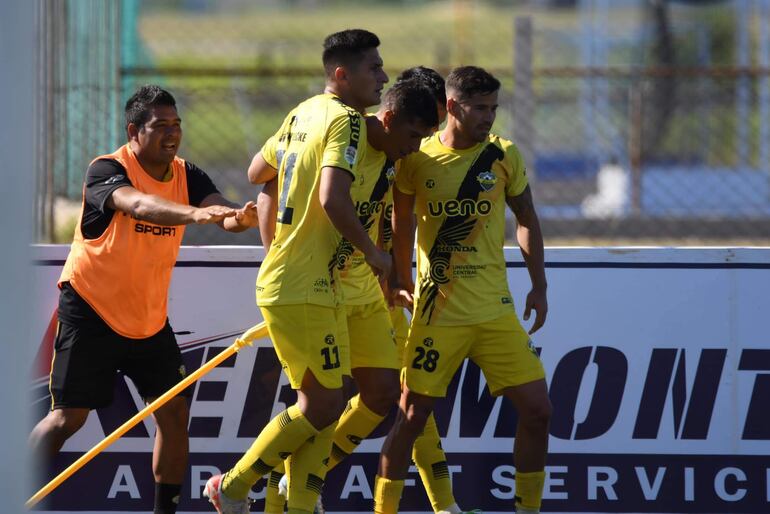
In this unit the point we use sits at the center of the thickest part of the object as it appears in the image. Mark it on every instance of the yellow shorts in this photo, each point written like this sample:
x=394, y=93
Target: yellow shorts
x=372, y=344
x=500, y=347
x=307, y=336
x=401, y=328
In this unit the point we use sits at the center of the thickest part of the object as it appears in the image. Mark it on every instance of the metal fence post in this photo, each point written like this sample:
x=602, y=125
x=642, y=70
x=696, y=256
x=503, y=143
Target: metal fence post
x=635, y=142
x=743, y=91
x=764, y=87
x=523, y=96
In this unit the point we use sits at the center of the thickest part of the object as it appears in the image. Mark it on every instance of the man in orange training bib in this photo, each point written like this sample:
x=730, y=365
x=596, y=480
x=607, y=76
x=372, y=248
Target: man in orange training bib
x=114, y=286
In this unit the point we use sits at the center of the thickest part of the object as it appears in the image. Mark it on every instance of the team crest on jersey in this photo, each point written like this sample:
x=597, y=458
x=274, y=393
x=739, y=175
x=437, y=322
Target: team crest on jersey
x=487, y=180
x=350, y=154
x=329, y=339
x=430, y=183
x=531, y=347
x=428, y=341
x=390, y=174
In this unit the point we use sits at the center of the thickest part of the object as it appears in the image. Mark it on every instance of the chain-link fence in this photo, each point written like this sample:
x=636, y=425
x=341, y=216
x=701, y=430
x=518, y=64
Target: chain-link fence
x=640, y=120
x=661, y=131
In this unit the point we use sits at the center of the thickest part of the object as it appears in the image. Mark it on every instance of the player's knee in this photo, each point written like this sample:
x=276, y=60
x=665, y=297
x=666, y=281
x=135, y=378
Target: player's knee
x=416, y=417
x=324, y=409
x=63, y=424
x=381, y=399
x=536, y=415
x=172, y=417
x=335, y=405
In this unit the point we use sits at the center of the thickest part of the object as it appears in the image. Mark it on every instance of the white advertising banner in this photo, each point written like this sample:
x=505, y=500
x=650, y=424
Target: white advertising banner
x=657, y=360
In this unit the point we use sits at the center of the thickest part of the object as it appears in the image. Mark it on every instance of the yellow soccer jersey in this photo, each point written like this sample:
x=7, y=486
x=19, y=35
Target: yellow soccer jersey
x=300, y=266
x=373, y=180
x=387, y=228
x=460, y=207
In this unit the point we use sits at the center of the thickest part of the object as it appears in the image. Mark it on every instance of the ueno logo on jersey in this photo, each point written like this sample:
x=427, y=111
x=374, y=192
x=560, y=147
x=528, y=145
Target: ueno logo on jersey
x=369, y=208
x=465, y=207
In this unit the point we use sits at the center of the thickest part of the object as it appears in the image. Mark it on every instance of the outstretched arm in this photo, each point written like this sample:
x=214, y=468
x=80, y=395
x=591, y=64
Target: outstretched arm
x=160, y=211
x=530, y=239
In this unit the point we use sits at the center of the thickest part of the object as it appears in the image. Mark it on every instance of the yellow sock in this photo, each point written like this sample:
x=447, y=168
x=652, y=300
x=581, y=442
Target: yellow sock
x=307, y=467
x=529, y=490
x=283, y=435
x=274, y=502
x=430, y=460
x=355, y=425
x=387, y=495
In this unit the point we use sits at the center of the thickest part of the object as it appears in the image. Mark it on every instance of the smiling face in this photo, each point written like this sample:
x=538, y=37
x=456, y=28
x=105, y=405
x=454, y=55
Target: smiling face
x=365, y=80
x=475, y=115
x=157, y=141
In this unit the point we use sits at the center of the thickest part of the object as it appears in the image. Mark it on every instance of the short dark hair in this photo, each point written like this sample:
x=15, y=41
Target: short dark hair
x=429, y=77
x=346, y=48
x=145, y=98
x=412, y=101
x=471, y=80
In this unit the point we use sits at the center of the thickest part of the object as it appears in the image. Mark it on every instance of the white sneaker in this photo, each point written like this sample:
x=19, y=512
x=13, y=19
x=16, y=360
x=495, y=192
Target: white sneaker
x=223, y=503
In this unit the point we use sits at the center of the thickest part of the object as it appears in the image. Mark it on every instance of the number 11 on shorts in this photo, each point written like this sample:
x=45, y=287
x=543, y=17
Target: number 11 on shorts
x=331, y=355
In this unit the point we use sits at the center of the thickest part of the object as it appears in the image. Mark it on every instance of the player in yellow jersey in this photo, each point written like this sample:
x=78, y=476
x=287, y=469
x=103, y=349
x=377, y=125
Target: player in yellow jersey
x=315, y=155
x=408, y=113
x=427, y=453
x=432, y=80
x=458, y=185
x=375, y=382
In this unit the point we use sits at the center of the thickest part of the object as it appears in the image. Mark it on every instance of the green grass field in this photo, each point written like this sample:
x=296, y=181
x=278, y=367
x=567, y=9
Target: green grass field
x=442, y=34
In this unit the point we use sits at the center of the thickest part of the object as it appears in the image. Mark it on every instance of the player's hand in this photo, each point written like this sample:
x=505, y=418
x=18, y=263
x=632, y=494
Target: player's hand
x=212, y=214
x=537, y=300
x=381, y=262
x=400, y=297
x=246, y=216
